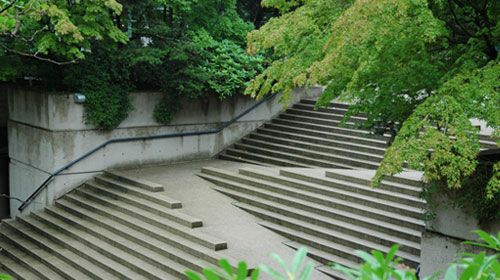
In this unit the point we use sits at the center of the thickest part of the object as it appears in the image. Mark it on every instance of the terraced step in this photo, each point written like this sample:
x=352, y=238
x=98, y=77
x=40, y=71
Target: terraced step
x=395, y=182
x=248, y=194
x=138, y=192
x=14, y=268
x=116, y=199
x=311, y=107
x=303, y=190
x=137, y=258
x=225, y=156
x=146, y=185
x=326, y=245
x=291, y=155
x=332, y=104
x=156, y=228
x=327, y=135
x=335, y=158
x=362, y=189
x=60, y=259
x=266, y=160
x=329, y=116
x=338, y=232
x=322, y=141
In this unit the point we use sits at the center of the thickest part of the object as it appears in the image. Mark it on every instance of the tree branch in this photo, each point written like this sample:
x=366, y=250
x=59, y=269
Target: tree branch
x=8, y=6
x=36, y=56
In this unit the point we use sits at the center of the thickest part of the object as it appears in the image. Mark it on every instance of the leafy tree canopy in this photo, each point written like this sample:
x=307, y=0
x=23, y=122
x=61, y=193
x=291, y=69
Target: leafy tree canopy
x=422, y=68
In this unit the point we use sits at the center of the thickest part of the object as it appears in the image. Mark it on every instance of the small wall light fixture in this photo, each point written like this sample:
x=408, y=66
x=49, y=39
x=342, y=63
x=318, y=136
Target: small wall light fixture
x=79, y=98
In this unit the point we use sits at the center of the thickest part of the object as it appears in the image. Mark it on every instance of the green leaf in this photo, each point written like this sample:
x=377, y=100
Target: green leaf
x=224, y=264
x=242, y=270
x=298, y=260
x=193, y=275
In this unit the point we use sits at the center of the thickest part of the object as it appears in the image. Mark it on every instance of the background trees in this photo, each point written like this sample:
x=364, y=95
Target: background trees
x=421, y=68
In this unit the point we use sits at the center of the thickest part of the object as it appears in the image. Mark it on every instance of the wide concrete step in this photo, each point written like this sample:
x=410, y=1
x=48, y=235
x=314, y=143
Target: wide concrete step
x=328, y=126
x=46, y=226
x=316, y=147
x=362, y=189
x=235, y=189
x=291, y=155
x=327, y=109
x=223, y=155
x=266, y=159
x=335, y=158
x=15, y=268
x=332, y=104
x=327, y=135
x=137, y=258
x=108, y=195
x=152, y=197
x=336, y=124
x=140, y=183
x=328, y=246
x=166, y=246
x=67, y=263
x=29, y=261
x=329, y=116
x=322, y=141
x=390, y=182
x=341, y=232
x=155, y=228
x=303, y=190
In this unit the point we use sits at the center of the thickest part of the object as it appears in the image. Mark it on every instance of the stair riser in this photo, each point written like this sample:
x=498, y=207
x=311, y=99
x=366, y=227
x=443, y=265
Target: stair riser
x=142, y=206
x=326, y=126
x=321, y=141
x=346, y=187
x=338, y=111
x=332, y=104
x=310, y=113
x=74, y=250
x=338, y=137
x=125, y=222
x=364, y=182
x=291, y=157
x=115, y=244
x=317, y=200
x=321, y=149
x=36, y=257
x=349, y=256
x=20, y=261
x=262, y=159
x=138, y=194
x=310, y=208
x=56, y=253
x=135, y=239
x=330, y=237
x=146, y=186
x=308, y=153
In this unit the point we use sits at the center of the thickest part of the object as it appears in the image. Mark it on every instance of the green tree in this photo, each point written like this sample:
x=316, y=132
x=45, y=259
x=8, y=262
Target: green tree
x=420, y=68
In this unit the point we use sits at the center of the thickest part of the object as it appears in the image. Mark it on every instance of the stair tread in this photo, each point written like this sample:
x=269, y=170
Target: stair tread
x=91, y=233
x=154, y=197
x=285, y=161
x=275, y=153
x=362, y=139
x=385, y=181
x=332, y=148
x=144, y=205
x=67, y=257
x=357, y=118
x=15, y=269
x=42, y=270
x=72, y=200
x=320, y=196
x=141, y=183
x=333, y=232
x=354, y=185
x=81, y=248
x=311, y=139
x=333, y=211
x=224, y=155
x=311, y=153
x=327, y=243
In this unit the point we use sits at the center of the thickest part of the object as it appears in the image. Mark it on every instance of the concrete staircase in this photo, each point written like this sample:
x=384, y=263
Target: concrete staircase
x=112, y=227
x=304, y=137
x=332, y=212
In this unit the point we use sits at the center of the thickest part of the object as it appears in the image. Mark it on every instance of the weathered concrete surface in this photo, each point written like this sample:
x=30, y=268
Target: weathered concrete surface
x=47, y=130
x=245, y=238
x=4, y=159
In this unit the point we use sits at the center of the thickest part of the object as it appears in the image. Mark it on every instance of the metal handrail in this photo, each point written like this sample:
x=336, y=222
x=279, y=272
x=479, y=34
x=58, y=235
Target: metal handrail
x=45, y=183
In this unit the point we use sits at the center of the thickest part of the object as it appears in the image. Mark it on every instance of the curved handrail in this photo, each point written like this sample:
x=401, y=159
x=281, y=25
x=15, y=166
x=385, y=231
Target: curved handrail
x=45, y=183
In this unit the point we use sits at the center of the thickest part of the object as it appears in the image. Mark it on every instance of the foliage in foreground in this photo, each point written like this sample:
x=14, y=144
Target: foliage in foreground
x=422, y=68
x=5, y=277
x=375, y=266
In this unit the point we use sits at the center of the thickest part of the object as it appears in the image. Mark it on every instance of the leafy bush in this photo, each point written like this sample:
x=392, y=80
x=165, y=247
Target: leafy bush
x=299, y=269
x=225, y=272
x=5, y=277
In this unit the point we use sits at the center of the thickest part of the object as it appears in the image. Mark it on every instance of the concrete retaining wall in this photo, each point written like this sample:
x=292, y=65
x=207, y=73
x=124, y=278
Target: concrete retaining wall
x=47, y=130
